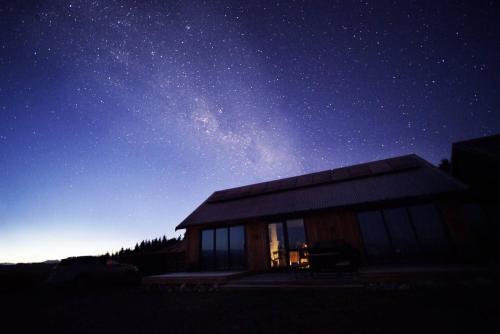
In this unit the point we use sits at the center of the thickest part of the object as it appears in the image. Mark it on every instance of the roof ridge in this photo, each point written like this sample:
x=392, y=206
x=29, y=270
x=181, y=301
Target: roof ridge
x=239, y=192
x=400, y=178
x=443, y=173
x=317, y=172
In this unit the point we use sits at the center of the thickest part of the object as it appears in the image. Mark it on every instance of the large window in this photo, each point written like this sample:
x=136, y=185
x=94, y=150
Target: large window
x=223, y=248
x=287, y=244
x=404, y=234
x=207, y=249
x=377, y=243
x=277, y=245
x=430, y=230
x=237, y=247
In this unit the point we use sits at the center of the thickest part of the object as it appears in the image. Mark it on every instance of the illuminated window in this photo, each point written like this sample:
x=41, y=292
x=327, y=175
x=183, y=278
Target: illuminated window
x=288, y=244
x=277, y=245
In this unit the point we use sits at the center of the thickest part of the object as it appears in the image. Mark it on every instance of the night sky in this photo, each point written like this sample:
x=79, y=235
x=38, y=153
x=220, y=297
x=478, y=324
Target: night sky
x=118, y=118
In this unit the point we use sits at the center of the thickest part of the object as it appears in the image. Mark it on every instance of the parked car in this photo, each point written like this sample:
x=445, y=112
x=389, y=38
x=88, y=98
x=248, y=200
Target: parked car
x=333, y=255
x=86, y=271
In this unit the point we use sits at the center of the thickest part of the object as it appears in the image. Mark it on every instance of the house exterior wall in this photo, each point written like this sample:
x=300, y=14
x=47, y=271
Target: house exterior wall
x=336, y=224
x=257, y=249
x=192, y=248
x=319, y=226
x=460, y=233
x=331, y=225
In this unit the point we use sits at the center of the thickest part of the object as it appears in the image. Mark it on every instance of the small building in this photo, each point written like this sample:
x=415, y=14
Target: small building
x=476, y=163
x=402, y=210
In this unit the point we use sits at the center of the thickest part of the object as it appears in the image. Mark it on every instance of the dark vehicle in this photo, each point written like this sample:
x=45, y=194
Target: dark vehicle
x=333, y=255
x=88, y=271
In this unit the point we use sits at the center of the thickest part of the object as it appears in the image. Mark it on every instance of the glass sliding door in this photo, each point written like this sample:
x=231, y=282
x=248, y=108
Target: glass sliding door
x=430, y=230
x=377, y=243
x=297, y=245
x=277, y=245
x=207, y=249
x=223, y=248
x=402, y=233
x=288, y=244
x=237, y=247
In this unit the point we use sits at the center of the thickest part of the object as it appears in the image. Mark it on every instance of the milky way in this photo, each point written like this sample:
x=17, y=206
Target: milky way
x=119, y=117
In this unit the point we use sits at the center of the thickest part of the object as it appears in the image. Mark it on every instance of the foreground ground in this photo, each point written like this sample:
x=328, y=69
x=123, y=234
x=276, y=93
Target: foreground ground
x=455, y=309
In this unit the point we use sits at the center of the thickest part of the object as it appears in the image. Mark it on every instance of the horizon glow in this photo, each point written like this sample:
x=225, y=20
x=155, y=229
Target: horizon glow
x=117, y=119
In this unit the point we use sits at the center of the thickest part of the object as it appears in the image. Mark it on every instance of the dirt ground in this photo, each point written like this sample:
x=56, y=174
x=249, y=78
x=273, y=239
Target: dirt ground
x=139, y=310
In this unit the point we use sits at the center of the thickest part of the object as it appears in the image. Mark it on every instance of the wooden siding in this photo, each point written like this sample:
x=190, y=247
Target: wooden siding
x=193, y=248
x=257, y=247
x=461, y=236
x=332, y=225
x=319, y=226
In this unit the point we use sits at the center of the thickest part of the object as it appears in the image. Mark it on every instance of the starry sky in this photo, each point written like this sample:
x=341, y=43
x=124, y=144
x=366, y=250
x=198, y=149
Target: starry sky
x=118, y=118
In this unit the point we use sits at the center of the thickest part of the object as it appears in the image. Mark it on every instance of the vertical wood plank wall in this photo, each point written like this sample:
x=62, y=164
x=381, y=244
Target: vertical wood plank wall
x=461, y=235
x=257, y=248
x=319, y=226
x=331, y=225
x=193, y=248
x=334, y=225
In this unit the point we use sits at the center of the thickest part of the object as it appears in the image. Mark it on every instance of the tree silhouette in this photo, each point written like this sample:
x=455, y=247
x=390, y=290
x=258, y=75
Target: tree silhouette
x=445, y=166
x=144, y=246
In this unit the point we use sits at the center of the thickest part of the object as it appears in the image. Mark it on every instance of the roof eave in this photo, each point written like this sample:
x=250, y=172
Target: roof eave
x=456, y=193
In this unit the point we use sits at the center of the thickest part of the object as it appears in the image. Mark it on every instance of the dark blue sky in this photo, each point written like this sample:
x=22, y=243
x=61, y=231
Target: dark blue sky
x=117, y=118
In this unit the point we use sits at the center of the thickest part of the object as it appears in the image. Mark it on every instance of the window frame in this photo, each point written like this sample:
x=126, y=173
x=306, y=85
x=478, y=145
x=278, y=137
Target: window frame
x=284, y=222
x=423, y=256
x=229, y=265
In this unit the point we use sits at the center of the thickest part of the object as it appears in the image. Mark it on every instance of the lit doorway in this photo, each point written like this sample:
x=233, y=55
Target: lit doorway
x=288, y=244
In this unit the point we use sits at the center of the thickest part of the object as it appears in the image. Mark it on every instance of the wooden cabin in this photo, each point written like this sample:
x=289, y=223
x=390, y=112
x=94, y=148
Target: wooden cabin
x=401, y=210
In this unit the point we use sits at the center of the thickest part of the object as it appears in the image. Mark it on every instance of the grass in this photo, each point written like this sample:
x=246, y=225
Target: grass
x=139, y=310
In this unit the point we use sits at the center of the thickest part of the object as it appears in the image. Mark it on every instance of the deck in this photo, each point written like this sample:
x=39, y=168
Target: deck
x=408, y=273
x=294, y=280
x=206, y=277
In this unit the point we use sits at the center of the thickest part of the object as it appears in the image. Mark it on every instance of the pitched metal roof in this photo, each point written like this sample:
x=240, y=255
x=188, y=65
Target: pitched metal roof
x=401, y=177
x=487, y=146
